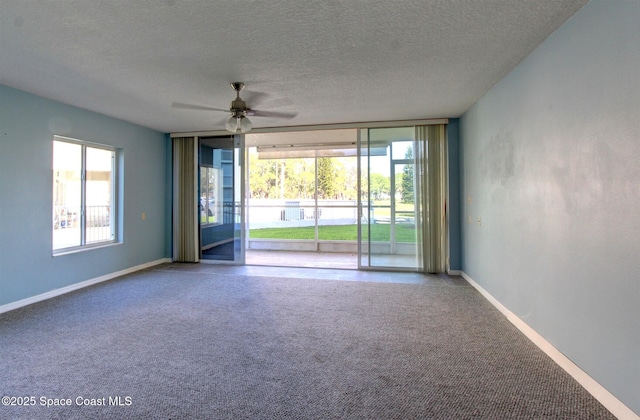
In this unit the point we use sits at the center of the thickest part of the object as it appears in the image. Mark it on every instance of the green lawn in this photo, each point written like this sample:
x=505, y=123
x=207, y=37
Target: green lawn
x=383, y=208
x=379, y=233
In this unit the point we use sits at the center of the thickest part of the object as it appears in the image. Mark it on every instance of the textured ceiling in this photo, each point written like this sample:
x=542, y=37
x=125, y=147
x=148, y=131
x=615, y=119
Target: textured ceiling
x=328, y=61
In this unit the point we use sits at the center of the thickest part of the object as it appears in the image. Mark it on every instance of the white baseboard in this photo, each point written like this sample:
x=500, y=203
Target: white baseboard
x=607, y=399
x=57, y=292
x=454, y=272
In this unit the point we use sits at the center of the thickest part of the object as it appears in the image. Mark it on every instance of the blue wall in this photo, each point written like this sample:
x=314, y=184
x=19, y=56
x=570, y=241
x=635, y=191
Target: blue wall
x=550, y=165
x=27, y=126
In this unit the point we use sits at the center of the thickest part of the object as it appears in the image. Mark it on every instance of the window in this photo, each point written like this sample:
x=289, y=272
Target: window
x=210, y=199
x=214, y=174
x=84, y=196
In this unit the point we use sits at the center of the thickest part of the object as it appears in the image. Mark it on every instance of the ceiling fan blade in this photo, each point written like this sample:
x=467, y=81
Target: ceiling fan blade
x=271, y=114
x=180, y=105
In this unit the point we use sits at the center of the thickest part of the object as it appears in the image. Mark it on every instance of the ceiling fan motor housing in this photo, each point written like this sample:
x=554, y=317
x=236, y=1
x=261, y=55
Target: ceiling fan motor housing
x=238, y=106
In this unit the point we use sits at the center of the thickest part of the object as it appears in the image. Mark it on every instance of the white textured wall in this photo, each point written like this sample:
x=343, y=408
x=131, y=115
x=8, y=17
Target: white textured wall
x=551, y=166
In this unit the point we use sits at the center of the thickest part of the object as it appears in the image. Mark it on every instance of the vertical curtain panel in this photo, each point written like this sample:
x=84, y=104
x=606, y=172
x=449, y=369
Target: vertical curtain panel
x=432, y=164
x=185, y=200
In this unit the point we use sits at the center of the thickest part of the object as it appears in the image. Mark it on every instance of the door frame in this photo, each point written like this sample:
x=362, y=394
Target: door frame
x=363, y=143
x=238, y=199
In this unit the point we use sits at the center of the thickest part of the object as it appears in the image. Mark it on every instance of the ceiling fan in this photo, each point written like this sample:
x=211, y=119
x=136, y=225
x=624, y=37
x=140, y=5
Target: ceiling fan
x=239, y=112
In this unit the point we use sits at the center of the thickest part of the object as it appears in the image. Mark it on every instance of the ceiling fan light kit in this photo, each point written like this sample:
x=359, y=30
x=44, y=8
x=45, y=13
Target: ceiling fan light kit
x=245, y=124
x=234, y=123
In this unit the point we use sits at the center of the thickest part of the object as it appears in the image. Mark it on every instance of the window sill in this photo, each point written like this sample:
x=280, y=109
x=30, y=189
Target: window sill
x=67, y=251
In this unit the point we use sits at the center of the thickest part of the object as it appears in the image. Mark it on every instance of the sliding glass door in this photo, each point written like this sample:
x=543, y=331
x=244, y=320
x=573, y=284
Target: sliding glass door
x=221, y=181
x=390, y=222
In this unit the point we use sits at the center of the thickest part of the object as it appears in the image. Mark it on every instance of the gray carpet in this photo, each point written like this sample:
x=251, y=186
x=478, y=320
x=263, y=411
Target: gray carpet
x=180, y=342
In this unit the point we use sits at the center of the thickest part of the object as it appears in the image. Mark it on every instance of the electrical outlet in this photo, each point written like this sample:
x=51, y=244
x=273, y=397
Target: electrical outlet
x=144, y=216
x=479, y=221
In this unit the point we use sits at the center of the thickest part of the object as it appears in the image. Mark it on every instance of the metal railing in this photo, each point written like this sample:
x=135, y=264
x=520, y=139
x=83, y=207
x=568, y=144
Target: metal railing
x=97, y=222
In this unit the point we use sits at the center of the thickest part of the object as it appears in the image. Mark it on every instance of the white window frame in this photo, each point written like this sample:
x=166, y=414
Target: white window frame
x=114, y=196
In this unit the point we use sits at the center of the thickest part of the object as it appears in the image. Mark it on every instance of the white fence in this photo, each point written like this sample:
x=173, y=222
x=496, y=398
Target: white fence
x=268, y=213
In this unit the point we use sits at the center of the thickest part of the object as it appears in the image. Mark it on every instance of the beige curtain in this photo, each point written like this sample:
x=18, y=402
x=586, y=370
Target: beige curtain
x=186, y=246
x=432, y=184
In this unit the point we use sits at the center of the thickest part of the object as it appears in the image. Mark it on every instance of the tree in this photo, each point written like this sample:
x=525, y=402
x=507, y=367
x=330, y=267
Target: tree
x=380, y=186
x=262, y=178
x=407, y=178
x=300, y=178
x=347, y=178
x=295, y=178
x=326, y=178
